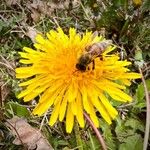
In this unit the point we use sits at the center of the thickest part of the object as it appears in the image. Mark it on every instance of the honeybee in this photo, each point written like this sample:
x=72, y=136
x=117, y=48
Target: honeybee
x=91, y=52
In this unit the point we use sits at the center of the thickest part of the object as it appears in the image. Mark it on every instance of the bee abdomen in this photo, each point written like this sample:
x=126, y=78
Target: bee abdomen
x=98, y=48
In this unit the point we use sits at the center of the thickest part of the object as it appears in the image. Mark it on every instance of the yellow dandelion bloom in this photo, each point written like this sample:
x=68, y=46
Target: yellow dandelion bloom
x=51, y=73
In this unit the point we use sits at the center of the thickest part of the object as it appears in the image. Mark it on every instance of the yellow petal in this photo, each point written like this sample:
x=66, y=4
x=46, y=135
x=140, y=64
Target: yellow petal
x=54, y=115
x=111, y=110
x=109, y=49
x=40, y=39
x=69, y=119
x=22, y=70
x=24, y=55
x=46, y=101
x=85, y=98
x=37, y=87
x=126, y=82
x=30, y=96
x=35, y=93
x=74, y=107
x=86, y=106
x=100, y=107
x=79, y=115
x=109, y=83
x=119, y=93
x=114, y=91
x=72, y=92
x=131, y=76
x=24, y=75
x=30, y=50
x=62, y=109
x=25, y=61
x=137, y=2
x=93, y=116
x=34, y=80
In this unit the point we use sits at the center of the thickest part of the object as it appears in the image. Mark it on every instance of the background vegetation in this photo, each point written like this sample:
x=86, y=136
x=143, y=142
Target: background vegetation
x=126, y=22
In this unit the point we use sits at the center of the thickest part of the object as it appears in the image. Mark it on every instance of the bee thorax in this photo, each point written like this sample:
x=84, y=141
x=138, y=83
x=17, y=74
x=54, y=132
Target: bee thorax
x=92, y=51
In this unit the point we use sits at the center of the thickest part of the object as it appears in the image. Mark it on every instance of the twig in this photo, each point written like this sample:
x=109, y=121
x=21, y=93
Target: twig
x=7, y=63
x=1, y=105
x=42, y=123
x=100, y=138
x=16, y=132
x=147, y=127
x=1, y=98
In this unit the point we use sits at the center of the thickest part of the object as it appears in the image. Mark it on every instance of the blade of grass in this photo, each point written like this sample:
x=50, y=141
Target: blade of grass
x=78, y=137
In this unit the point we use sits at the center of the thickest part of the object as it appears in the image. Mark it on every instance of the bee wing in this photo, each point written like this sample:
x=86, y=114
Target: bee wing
x=94, y=35
x=109, y=42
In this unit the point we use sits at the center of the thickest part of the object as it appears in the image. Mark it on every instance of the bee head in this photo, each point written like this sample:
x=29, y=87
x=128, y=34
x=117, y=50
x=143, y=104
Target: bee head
x=81, y=67
x=83, y=62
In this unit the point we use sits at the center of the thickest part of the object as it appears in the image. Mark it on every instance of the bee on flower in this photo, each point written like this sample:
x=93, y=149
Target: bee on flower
x=69, y=74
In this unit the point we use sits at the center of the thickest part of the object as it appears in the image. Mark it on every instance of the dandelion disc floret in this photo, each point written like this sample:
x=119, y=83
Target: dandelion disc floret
x=50, y=71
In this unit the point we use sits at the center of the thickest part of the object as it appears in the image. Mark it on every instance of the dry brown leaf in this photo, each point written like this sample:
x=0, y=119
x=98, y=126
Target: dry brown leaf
x=31, y=33
x=35, y=16
x=27, y=135
x=7, y=66
x=12, y=2
x=4, y=90
x=47, y=7
x=39, y=7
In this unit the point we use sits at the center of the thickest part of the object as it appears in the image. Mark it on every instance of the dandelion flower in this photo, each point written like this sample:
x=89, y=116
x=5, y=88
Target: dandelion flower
x=50, y=71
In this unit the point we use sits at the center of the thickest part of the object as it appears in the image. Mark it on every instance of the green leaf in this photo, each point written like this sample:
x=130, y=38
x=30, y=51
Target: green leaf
x=1, y=25
x=93, y=143
x=17, y=109
x=62, y=142
x=134, y=142
x=57, y=143
x=148, y=84
x=122, y=132
x=138, y=54
x=140, y=93
x=140, y=105
x=135, y=124
x=138, y=57
x=146, y=5
x=109, y=137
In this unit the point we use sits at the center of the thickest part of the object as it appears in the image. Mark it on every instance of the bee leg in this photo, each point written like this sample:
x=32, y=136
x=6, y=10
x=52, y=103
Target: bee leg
x=93, y=62
x=101, y=57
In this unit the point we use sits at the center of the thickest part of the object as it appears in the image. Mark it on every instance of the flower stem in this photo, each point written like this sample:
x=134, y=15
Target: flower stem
x=99, y=136
x=78, y=137
x=147, y=128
